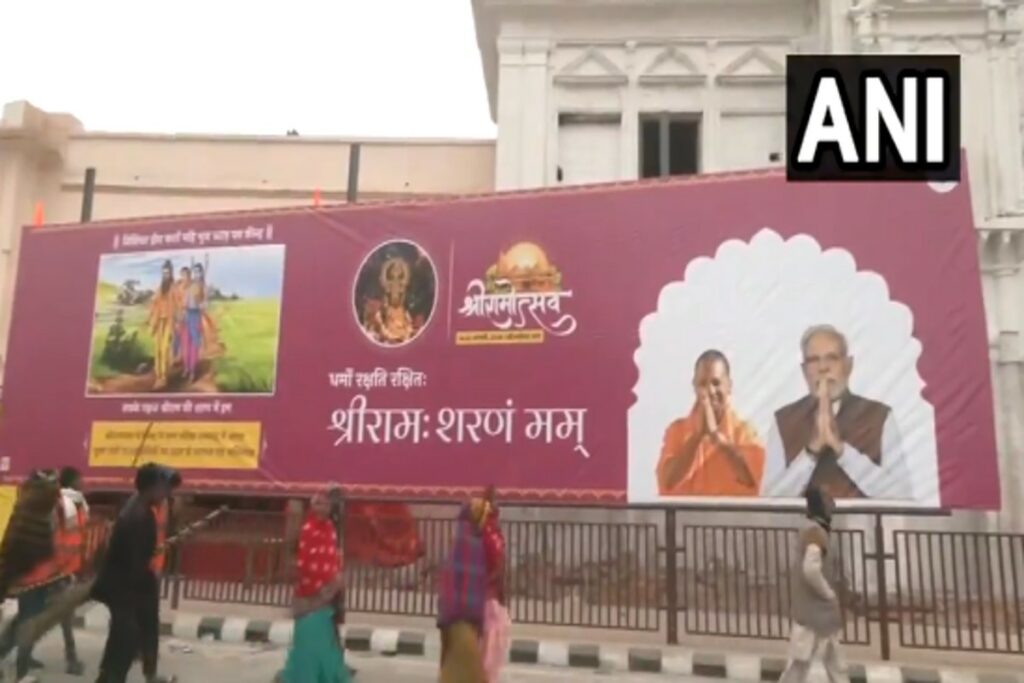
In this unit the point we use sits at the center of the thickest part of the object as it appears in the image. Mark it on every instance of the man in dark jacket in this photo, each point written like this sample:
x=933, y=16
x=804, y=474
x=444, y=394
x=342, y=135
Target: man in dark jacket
x=847, y=445
x=149, y=616
x=126, y=583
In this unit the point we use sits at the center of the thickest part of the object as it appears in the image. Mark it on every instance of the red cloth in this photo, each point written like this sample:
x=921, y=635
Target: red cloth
x=319, y=560
x=381, y=534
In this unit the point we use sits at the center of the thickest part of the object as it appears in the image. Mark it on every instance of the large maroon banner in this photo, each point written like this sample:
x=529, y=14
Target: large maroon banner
x=731, y=338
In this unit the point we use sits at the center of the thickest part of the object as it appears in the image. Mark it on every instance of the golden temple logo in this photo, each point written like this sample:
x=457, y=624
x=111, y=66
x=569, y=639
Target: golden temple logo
x=521, y=295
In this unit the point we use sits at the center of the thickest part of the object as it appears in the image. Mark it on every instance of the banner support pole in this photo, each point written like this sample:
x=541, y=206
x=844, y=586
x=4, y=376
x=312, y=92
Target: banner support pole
x=353, y=172
x=88, y=190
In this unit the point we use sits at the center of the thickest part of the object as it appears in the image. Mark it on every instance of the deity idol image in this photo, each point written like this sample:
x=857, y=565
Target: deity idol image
x=395, y=293
x=391, y=323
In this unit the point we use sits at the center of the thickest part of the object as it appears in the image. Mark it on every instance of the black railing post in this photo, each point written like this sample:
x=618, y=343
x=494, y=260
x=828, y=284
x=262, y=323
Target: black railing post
x=882, y=588
x=248, y=578
x=174, y=576
x=671, y=573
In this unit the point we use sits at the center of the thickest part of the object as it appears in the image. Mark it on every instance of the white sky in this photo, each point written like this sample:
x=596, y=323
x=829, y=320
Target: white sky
x=380, y=68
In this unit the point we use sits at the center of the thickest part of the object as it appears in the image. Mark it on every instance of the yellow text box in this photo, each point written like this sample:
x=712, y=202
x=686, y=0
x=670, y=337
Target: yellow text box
x=8, y=496
x=495, y=337
x=183, y=445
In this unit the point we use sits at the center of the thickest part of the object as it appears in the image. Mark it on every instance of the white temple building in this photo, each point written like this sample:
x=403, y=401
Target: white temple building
x=603, y=90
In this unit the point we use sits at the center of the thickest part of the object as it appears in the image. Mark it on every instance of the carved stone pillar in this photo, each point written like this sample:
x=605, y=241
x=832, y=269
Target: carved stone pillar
x=522, y=111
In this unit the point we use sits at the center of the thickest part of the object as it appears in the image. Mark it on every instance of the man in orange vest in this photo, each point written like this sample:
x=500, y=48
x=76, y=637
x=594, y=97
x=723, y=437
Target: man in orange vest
x=149, y=619
x=71, y=552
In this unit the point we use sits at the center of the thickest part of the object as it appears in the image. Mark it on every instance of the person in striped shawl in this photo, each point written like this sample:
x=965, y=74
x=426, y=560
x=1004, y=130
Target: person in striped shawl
x=27, y=558
x=462, y=597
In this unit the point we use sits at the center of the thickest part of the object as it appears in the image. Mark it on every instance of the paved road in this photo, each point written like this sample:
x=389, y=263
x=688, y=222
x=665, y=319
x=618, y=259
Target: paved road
x=215, y=662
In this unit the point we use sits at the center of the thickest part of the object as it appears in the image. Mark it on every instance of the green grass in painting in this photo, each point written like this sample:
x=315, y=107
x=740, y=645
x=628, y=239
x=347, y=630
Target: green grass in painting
x=134, y=320
x=106, y=294
x=248, y=328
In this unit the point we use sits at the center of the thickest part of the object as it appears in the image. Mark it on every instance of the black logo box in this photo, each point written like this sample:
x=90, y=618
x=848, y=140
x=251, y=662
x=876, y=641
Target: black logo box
x=802, y=74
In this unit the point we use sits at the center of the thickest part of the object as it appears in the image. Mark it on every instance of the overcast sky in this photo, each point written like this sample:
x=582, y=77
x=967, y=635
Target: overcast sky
x=388, y=68
x=255, y=271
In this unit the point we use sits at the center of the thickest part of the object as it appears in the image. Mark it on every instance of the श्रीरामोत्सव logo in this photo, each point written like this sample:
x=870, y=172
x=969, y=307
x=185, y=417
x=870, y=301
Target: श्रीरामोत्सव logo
x=522, y=297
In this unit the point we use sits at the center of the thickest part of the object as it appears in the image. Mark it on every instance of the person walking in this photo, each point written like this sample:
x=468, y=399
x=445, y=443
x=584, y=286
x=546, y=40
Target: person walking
x=462, y=598
x=149, y=616
x=126, y=583
x=336, y=497
x=316, y=655
x=497, y=624
x=29, y=561
x=817, y=618
x=74, y=516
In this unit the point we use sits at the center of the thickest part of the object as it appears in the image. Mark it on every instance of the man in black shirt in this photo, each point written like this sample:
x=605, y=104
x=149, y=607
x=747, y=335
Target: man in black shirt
x=149, y=614
x=126, y=583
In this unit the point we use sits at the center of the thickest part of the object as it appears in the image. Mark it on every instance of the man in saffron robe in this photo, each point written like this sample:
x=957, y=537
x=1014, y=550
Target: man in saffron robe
x=162, y=316
x=847, y=445
x=711, y=451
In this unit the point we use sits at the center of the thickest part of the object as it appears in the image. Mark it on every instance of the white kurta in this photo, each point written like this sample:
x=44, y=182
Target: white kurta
x=805, y=644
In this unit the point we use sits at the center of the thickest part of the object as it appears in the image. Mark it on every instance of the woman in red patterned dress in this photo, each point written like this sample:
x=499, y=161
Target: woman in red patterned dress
x=316, y=655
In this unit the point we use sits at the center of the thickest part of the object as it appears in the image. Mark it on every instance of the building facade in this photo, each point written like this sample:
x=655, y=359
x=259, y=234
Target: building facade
x=611, y=90
x=43, y=158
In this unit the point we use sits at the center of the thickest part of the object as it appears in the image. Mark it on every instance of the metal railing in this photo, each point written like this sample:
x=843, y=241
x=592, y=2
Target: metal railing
x=565, y=573
x=934, y=589
x=960, y=591
x=737, y=581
